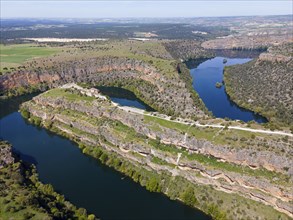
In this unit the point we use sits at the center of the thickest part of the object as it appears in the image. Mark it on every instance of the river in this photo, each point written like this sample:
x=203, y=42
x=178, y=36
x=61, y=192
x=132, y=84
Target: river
x=83, y=180
x=124, y=97
x=100, y=189
x=205, y=76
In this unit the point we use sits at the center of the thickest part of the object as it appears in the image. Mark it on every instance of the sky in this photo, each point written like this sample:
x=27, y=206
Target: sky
x=141, y=8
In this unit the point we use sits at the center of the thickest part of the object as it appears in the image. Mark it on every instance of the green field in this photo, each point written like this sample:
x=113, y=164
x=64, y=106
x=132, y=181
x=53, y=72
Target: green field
x=14, y=55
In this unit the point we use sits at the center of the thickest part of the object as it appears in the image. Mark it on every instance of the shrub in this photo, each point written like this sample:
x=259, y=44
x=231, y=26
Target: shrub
x=188, y=197
x=25, y=113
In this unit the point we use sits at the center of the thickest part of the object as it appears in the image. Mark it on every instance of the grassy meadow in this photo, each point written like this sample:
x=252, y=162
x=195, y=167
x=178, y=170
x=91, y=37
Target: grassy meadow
x=12, y=56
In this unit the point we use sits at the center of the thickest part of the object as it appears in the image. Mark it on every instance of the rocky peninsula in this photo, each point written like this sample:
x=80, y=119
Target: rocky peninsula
x=169, y=149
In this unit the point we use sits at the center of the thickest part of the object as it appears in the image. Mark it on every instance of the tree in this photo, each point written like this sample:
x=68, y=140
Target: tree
x=25, y=113
x=91, y=217
x=104, y=157
x=214, y=211
x=188, y=197
x=153, y=185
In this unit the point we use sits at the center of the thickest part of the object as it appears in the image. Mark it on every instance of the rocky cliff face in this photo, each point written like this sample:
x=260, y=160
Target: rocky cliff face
x=97, y=126
x=246, y=42
x=147, y=82
x=187, y=50
x=246, y=157
x=281, y=54
x=274, y=57
x=5, y=154
x=78, y=70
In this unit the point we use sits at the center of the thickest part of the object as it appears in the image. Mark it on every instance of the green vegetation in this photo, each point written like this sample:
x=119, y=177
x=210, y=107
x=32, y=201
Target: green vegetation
x=23, y=196
x=199, y=133
x=186, y=77
x=219, y=85
x=152, y=69
x=126, y=135
x=188, y=197
x=209, y=200
x=162, y=30
x=212, y=163
x=165, y=84
x=187, y=50
x=71, y=95
x=218, y=204
x=159, y=161
x=264, y=85
x=233, y=138
x=24, y=90
x=11, y=56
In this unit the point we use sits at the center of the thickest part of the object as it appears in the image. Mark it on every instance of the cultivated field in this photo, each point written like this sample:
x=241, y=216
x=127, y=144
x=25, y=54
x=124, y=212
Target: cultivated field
x=11, y=56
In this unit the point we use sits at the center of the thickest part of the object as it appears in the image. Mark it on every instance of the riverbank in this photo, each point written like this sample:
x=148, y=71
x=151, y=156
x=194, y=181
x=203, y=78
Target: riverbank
x=208, y=74
x=147, y=145
x=263, y=85
x=23, y=196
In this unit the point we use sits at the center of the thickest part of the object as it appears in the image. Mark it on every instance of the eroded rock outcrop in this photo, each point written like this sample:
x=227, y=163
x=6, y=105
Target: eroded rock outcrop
x=148, y=83
x=97, y=127
x=246, y=42
x=6, y=156
x=187, y=50
x=246, y=157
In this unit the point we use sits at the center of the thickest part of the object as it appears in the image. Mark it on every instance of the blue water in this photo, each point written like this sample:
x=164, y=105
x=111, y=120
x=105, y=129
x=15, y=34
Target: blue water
x=128, y=102
x=205, y=76
x=124, y=97
x=83, y=180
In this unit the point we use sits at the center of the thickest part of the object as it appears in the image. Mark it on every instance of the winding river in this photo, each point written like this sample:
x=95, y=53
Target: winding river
x=206, y=75
x=83, y=180
x=100, y=189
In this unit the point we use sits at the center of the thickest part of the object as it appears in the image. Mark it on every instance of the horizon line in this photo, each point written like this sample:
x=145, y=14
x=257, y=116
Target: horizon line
x=146, y=17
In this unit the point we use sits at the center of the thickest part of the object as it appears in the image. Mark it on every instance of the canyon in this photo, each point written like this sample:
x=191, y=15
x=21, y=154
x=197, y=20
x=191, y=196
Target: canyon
x=137, y=137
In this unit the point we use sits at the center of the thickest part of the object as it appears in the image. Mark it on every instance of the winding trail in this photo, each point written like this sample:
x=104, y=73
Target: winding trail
x=95, y=93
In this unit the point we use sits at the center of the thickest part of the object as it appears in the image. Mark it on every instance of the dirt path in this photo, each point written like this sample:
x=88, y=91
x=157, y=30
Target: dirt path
x=179, y=120
x=167, y=118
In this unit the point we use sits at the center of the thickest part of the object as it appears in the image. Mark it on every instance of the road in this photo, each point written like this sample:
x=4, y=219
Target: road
x=164, y=117
x=168, y=118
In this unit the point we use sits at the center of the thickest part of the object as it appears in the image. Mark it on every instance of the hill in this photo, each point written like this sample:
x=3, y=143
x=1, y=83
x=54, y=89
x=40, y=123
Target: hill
x=265, y=84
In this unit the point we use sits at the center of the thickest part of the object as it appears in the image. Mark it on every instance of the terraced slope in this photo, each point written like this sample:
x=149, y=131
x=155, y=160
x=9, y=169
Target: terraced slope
x=205, y=167
x=265, y=85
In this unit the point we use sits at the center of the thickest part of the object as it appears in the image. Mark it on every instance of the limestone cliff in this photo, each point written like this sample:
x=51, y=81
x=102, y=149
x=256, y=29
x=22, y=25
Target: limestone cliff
x=149, y=141
x=5, y=154
x=143, y=79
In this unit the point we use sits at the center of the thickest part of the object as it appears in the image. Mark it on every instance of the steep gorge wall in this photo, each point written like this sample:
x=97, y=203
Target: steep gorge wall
x=69, y=71
x=187, y=50
x=259, y=189
x=157, y=90
x=245, y=157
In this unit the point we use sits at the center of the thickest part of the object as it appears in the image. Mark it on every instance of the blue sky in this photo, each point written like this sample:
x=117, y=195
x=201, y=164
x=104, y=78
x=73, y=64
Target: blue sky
x=141, y=8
